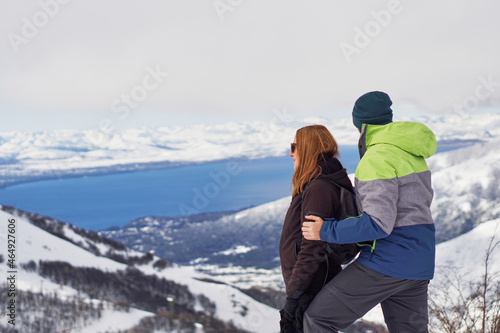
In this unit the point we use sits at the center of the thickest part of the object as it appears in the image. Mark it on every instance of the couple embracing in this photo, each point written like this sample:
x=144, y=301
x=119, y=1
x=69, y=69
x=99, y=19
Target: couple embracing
x=394, y=194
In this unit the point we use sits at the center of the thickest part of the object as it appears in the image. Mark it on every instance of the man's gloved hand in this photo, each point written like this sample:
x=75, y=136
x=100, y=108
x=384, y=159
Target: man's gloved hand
x=290, y=308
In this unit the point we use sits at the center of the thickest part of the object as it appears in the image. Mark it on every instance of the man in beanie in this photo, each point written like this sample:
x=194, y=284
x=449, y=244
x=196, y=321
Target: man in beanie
x=372, y=108
x=396, y=229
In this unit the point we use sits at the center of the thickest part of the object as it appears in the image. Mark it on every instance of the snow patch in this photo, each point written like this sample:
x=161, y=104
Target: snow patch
x=236, y=250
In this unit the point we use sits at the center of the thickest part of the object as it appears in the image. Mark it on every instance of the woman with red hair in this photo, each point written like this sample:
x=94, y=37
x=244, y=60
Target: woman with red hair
x=305, y=265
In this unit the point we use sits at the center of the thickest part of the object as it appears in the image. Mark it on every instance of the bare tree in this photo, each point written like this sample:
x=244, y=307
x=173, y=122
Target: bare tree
x=464, y=305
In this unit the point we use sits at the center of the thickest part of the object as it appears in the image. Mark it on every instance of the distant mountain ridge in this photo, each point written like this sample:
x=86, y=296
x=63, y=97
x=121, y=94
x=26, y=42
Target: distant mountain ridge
x=246, y=238
x=29, y=156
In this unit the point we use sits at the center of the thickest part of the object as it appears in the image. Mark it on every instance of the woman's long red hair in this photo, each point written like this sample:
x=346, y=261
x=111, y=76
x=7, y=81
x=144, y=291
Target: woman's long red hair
x=313, y=143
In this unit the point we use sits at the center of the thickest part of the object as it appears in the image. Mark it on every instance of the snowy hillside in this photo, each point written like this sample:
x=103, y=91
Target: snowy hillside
x=465, y=292
x=466, y=253
x=246, y=238
x=40, y=255
x=47, y=154
x=466, y=185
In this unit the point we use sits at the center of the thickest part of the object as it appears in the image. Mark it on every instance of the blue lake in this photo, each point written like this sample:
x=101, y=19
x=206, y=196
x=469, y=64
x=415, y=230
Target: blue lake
x=99, y=202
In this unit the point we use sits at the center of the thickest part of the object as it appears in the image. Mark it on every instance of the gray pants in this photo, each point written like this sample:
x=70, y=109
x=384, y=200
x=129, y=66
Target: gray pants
x=356, y=290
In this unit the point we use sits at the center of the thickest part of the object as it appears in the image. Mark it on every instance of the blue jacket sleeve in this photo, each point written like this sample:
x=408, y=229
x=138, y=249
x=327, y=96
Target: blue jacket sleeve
x=351, y=230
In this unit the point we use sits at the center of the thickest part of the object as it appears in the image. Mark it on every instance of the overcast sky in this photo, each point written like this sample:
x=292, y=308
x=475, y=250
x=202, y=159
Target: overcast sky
x=123, y=63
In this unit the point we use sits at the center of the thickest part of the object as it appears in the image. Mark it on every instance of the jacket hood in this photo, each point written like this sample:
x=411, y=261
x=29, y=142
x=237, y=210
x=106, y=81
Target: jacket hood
x=333, y=170
x=412, y=137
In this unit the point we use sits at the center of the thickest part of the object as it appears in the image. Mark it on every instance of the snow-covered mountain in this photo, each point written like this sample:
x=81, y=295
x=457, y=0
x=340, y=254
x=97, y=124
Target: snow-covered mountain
x=65, y=279
x=467, y=253
x=26, y=156
x=68, y=279
x=466, y=185
x=247, y=238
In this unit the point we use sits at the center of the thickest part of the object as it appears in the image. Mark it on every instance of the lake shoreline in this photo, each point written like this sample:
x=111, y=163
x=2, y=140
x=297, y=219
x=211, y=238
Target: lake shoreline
x=119, y=169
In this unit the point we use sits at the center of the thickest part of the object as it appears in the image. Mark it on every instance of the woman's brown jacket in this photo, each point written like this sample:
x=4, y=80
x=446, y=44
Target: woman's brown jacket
x=303, y=262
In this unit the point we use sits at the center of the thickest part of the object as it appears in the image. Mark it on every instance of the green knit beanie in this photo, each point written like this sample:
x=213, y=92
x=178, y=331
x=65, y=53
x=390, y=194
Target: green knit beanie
x=372, y=108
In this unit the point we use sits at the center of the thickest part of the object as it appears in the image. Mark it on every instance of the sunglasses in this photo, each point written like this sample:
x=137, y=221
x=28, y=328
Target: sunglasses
x=293, y=146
